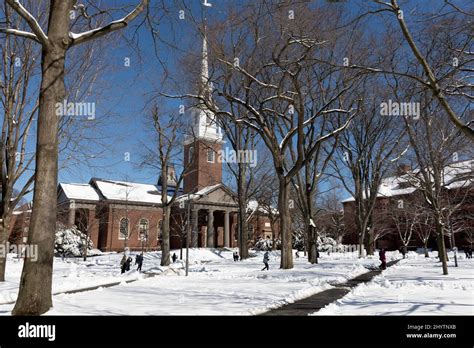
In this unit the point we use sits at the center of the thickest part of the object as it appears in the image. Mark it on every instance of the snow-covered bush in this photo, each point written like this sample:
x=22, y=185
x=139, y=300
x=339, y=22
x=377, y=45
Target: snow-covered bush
x=266, y=244
x=69, y=241
x=327, y=244
x=298, y=241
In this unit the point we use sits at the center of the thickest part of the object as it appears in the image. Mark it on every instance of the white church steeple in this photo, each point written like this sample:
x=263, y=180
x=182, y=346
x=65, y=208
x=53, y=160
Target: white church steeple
x=202, y=122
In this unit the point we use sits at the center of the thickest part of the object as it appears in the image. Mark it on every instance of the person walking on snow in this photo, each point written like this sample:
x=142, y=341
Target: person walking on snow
x=128, y=263
x=383, y=259
x=122, y=263
x=174, y=257
x=139, y=261
x=266, y=258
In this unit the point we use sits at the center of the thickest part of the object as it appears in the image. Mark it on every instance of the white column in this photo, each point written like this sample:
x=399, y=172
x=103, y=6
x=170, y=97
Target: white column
x=72, y=213
x=210, y=228
x=194, y=221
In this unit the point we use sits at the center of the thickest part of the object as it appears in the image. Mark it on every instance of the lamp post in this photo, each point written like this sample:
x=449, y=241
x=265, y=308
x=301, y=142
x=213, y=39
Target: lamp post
x=188, y=237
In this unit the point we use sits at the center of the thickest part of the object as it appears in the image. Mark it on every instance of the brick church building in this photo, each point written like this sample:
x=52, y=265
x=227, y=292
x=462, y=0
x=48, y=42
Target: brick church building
x=116, y=213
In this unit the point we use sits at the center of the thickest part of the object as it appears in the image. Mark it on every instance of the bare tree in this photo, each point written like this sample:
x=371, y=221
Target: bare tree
x=35, y=286
x=264, y=73
x=267, y=200
x=332, y=213
x=447, y=27
x=404, y=213
x=19, y=63
x=20, y=66
x=167, y=130
x=436, y=147
x=367, y=149
x=424, y=229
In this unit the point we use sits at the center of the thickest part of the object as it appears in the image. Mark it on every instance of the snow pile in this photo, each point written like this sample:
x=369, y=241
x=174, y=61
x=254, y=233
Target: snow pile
x=71, y=242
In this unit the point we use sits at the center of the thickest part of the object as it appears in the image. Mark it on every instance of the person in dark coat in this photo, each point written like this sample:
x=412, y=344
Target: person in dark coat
x=174, y=257
x=123, y=262
x=468, y=252
x=236, y=256
x=128, y=263
x=404, y=251
x=266, y=258
x=383, y=259
x=297, y=254
x=139, y=262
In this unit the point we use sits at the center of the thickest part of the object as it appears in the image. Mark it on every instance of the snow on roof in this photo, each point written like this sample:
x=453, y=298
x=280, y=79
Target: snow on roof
x=128, y=191
x=456, y=175
x=253, y=205
x=79, y=191
x=206, y=190
x=202, y=192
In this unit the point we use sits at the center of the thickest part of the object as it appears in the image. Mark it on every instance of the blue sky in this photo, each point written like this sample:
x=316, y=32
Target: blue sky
x=123, y=103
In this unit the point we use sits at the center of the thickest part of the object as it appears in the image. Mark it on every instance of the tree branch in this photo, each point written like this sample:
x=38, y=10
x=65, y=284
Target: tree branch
x=20, y=33
x=30, y=19
x=112, y=26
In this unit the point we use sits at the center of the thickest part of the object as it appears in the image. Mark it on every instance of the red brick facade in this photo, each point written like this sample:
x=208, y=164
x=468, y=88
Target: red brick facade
x=391, y=240
x=202, y=172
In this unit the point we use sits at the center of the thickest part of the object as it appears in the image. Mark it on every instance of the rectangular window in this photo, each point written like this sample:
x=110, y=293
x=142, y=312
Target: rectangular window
x=211, y=155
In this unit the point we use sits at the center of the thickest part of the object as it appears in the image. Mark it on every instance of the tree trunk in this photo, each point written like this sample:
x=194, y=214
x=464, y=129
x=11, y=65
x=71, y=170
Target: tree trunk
x=285, y=233
x=361, y=244
x=313, y=254
x=34, y=297
x=361, y=230
x=441, y=247
x=274, y=246
x=426, y=249
x=165, y=237
x=313, y=244
x=3, y=241
x=369, y=242
x=243, y=228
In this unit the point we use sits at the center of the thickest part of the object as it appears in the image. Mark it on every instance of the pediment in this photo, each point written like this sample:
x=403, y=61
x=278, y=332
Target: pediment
x=220, y=195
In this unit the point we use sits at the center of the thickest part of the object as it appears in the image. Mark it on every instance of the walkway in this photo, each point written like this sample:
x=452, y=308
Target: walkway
x=320, y=300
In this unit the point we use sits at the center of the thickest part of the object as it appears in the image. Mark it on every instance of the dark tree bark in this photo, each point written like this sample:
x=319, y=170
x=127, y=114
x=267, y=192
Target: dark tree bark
x=34, y=296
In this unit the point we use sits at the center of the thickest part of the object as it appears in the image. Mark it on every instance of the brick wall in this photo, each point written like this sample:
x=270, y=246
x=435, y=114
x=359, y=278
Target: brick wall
x=202, y=173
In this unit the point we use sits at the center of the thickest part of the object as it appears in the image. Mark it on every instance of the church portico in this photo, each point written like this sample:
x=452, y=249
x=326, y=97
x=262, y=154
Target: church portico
x=211, y=225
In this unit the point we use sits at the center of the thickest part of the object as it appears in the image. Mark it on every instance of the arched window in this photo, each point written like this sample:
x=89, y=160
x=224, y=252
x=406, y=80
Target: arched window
x=160, y=226
x=143, y=230
x=123, y=229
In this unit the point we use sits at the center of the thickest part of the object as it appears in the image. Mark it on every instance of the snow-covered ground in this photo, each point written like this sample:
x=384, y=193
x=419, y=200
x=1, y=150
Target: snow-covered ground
x=219, y=286
x=216, y=284
x=414, y=286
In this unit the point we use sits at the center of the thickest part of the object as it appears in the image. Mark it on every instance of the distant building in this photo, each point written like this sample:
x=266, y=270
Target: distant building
x=394, y=190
